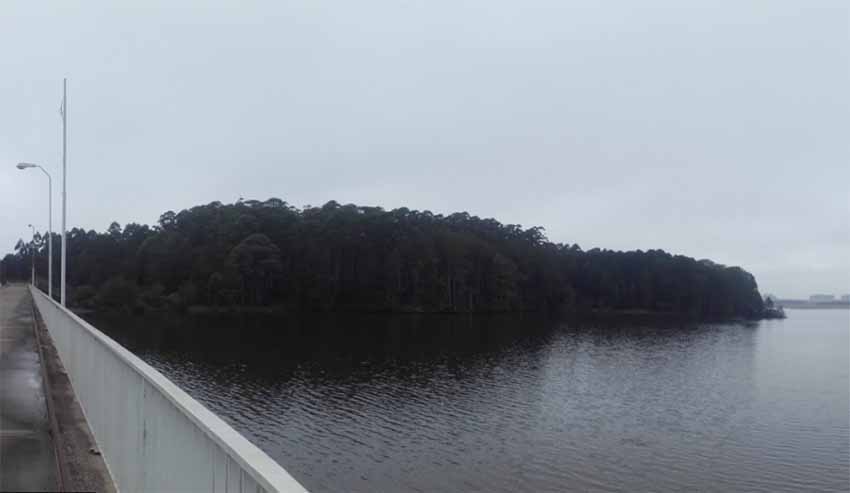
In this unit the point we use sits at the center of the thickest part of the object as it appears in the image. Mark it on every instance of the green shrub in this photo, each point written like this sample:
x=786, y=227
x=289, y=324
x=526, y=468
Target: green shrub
x=83, y=296
x=117, y=292
x=153, y=295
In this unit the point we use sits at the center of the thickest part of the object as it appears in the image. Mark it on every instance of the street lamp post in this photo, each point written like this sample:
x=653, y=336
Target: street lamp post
x=32, y=254
x=64, y=186
x=49, y=224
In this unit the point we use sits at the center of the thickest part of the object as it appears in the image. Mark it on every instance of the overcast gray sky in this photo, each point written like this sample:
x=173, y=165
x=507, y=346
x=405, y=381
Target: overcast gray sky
x=718, y=131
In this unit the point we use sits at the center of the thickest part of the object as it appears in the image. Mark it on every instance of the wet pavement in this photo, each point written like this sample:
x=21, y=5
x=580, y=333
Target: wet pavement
x=27, y=461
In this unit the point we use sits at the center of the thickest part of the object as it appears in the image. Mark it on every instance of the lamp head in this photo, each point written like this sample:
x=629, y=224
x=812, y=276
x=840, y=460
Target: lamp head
x=26, y=165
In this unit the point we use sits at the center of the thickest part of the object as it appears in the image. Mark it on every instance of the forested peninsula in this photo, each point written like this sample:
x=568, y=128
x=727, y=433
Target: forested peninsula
x=355, y=258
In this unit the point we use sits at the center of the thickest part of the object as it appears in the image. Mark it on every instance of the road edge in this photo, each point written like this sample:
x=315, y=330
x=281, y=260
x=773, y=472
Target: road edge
x=80, y=466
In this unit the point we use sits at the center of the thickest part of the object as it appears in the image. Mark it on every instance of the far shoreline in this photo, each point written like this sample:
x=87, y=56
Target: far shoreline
x=283, y=310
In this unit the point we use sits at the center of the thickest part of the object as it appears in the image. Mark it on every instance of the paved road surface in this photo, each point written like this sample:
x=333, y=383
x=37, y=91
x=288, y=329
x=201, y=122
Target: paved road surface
x=27, y=462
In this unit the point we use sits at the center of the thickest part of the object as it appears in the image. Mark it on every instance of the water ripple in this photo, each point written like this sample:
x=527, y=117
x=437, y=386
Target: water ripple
x=509, y=404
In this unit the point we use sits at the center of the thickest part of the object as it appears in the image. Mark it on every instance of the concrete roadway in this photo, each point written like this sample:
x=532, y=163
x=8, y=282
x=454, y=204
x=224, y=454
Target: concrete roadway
x=27, y=460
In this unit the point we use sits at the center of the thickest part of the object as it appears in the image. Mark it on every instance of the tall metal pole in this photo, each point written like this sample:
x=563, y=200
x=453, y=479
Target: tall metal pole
x=32, y=254
x=49, y=234
x=64, y=186
x=49, y=222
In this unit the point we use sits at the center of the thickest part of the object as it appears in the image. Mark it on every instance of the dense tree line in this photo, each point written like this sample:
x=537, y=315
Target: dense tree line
x=348, y=257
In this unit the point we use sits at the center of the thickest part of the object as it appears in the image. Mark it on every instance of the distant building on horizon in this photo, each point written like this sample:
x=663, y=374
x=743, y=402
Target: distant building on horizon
x=845, y=298
x=821, y=298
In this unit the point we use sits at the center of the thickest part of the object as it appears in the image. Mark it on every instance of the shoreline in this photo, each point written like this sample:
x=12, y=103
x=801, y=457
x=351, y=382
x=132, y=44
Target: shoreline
x=280, y=310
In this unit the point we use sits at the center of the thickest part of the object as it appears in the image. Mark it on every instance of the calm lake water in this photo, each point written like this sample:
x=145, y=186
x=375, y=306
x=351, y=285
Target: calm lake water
x=521, y=403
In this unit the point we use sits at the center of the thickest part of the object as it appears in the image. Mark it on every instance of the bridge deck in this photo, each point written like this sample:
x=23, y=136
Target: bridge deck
x=27, y=460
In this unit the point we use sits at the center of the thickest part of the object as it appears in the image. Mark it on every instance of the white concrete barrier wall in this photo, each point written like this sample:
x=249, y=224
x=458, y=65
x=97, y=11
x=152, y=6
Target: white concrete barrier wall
x=152, y=435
